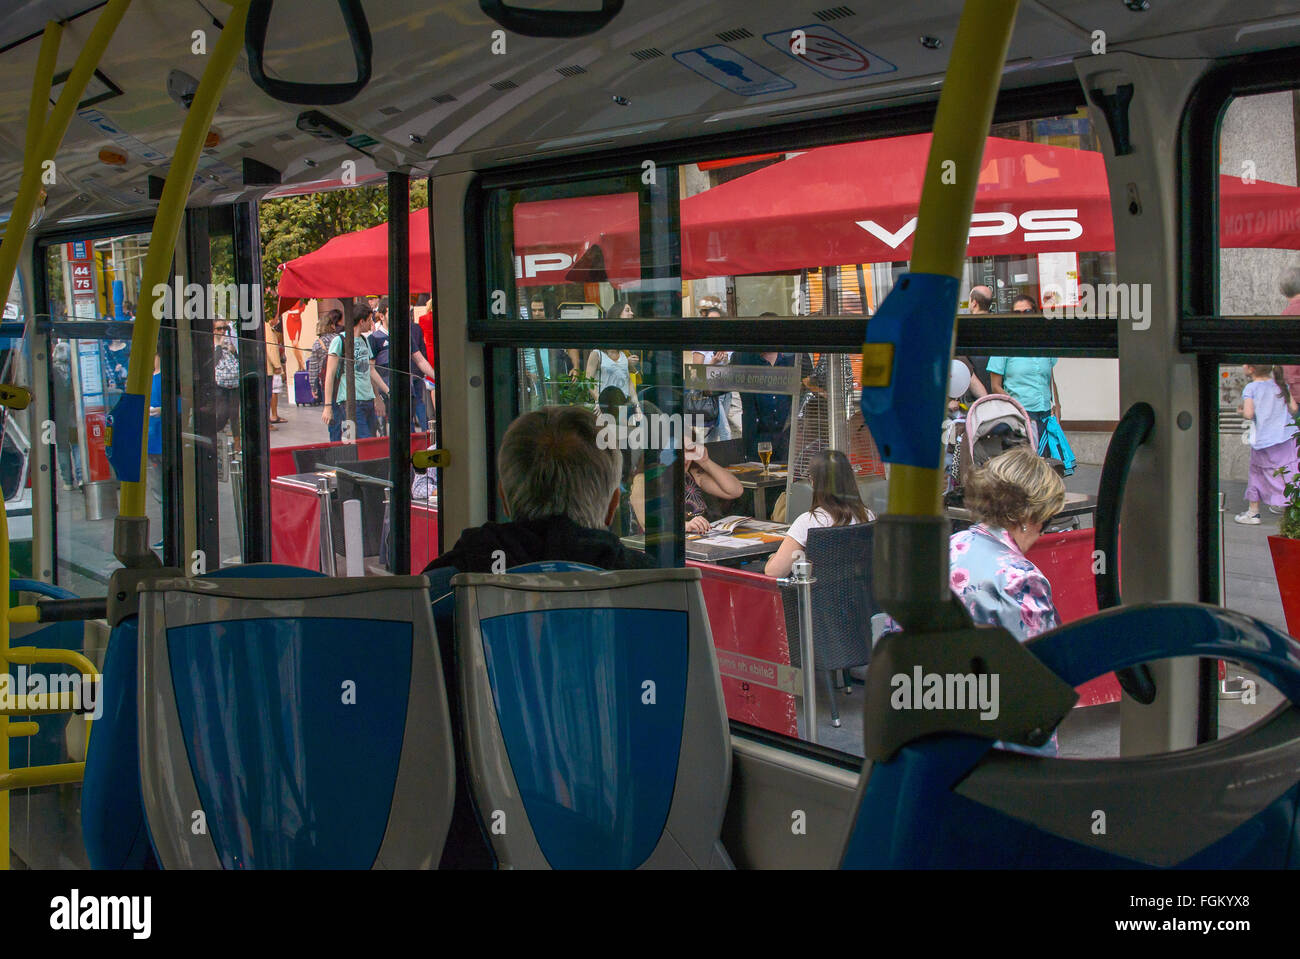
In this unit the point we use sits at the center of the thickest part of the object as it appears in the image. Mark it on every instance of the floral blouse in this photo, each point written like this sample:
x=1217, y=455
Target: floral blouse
x=998, y=585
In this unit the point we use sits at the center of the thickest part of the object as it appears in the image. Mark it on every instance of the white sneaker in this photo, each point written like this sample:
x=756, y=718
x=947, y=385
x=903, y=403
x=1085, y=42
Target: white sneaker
x=1276, y=510
x=1247, y=519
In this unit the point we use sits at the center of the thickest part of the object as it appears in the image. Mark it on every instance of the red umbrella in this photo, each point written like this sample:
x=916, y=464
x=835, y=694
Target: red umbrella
x=830, y=206
x=356, y=264
x=857, y=203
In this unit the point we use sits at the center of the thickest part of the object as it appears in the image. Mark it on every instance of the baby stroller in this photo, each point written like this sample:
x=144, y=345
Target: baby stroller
x=994, y=424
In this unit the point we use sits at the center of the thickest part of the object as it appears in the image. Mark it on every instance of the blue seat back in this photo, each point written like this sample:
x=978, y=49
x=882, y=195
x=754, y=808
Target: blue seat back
x=112, y=812
x=950, y=801
x=302, y=720
x=598, y=735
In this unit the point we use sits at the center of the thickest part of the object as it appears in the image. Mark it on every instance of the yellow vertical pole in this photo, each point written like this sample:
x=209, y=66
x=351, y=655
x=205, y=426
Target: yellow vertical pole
x=961, y=124
x=51, y=134
x=166, y=226
x=45, y=131
x=4, y=668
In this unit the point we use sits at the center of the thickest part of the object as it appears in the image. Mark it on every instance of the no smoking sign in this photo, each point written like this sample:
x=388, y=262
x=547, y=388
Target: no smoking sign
x=829, y=52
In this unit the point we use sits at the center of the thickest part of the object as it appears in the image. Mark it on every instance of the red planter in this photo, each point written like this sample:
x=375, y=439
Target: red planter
x=1286, y=565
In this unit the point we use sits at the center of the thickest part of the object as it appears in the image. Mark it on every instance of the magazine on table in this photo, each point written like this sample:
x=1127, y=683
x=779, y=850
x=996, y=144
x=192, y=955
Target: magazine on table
x=734, y=524
x=777, y=470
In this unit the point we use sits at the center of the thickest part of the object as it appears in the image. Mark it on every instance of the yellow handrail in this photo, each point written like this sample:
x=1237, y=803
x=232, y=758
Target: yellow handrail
x=53, y=127
x=43, y=137
x=166, y=227
x=961, y=124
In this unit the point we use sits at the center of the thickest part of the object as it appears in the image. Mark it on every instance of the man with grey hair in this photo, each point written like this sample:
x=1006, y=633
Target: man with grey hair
x=981, y=301
x=561, y=491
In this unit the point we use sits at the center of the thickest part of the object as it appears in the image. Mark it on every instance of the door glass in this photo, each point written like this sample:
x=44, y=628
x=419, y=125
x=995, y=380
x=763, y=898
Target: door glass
x=1258, y=528
x=93, y=292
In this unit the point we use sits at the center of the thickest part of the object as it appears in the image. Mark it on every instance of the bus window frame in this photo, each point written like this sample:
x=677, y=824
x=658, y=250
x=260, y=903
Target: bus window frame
x=1203, y=331
x=42, y=322
x=1009, y=335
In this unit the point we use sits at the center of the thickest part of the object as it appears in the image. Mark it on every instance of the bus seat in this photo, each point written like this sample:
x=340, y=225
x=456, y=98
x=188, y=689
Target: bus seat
x=596, y=735
x=298, y=723
x=46, y=746
x=112, y=812
x=467, y=845
x=950, y=801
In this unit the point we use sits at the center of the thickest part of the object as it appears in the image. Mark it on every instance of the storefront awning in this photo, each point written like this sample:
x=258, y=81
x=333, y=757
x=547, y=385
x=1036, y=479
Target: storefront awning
x=830, y=206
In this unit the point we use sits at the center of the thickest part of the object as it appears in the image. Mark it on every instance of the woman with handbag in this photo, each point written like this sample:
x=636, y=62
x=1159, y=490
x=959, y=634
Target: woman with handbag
x=226, y=373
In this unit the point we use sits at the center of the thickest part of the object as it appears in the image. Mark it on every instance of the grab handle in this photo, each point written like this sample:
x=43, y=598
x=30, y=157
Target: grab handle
x=551, y=23
x=354, y=19
x=1130, y=434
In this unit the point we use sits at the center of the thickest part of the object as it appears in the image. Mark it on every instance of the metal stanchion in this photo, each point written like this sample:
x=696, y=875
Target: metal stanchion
x=802, y=579
x=323, y=496
x=1230, y=687
x=386, y=531
x=237, y=489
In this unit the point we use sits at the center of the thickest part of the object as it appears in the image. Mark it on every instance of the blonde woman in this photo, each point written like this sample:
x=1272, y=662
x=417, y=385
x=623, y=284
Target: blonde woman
x=1012, y=496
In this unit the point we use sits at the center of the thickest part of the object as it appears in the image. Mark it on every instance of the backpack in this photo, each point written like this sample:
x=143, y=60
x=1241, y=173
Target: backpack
x=316, y=363
x=227, y=368
x=1053, y=445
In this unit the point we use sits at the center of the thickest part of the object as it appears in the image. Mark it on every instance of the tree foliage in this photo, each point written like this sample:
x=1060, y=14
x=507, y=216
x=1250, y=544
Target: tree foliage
x=293, y=226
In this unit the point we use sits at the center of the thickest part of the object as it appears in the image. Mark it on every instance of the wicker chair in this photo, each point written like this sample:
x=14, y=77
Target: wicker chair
x=842, y=603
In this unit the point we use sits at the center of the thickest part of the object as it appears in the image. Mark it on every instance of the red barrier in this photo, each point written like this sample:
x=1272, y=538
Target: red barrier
x=424, y=536
x=295, y=525
x=295, y=528
x=747, y=619
x=1066, y=560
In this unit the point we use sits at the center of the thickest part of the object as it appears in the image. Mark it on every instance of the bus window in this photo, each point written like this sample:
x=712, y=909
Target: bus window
x=328, y=415
x=1259, y=206
x=93, y=292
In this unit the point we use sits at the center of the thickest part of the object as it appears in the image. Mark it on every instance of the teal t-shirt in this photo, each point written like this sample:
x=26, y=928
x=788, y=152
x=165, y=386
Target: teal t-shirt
x=1026, y=379
x=361, y=371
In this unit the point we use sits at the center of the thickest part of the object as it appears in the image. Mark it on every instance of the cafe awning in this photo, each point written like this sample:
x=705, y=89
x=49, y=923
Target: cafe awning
x=829, y=206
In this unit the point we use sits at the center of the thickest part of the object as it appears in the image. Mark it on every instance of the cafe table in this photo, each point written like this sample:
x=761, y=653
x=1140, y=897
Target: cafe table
x=751, y=477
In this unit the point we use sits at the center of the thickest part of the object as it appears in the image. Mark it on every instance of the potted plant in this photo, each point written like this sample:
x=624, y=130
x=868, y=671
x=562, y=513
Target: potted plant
x=1285, y=547
x=578, y=392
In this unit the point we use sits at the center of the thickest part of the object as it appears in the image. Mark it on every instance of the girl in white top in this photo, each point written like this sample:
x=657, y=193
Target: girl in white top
x=835, y=502
x=614, y=367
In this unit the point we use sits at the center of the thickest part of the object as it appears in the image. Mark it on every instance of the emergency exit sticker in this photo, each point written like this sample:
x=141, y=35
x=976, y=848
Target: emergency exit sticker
x=829, y=52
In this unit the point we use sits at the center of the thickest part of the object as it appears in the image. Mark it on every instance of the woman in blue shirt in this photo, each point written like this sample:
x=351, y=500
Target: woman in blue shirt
x=1027, y=379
